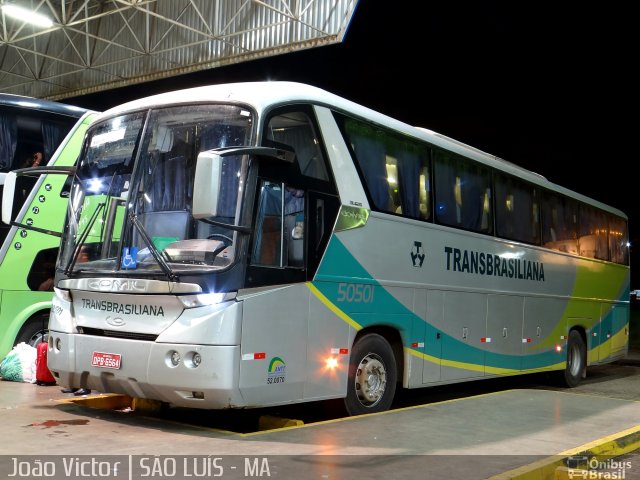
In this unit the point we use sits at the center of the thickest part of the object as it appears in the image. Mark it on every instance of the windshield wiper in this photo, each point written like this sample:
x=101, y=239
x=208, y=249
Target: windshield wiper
x=82, y=238
x=152, y=248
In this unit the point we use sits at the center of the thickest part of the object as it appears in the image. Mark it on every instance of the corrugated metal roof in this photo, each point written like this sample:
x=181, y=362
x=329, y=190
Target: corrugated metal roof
x=95, y=45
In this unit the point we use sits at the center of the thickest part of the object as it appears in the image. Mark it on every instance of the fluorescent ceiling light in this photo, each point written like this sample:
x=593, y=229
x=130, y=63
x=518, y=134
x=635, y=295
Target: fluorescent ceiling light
x=27, y=16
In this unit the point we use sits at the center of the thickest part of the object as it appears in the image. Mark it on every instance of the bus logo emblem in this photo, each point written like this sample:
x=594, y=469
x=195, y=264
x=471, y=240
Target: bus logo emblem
x=417, y=254
x=115, y=322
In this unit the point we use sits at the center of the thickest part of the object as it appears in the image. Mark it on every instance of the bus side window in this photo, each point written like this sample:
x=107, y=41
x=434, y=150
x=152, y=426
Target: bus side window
x=618, y=240
x=463, y=193
x=279, y=238
x=516, y=210
x=268, y=241
x=592, y=240
x=296, y=130
x=42, y=270
x=559, y=217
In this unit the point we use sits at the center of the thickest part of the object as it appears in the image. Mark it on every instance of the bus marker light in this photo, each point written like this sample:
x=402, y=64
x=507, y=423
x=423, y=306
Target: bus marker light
x=485, y=340
x=344, y=351
x=254, y=356
x=526, y=340
x=594, y=334
x=332, y=363
x=564, y=337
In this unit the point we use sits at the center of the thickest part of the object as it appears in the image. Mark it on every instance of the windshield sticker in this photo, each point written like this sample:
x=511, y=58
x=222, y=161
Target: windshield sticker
x=129, y=258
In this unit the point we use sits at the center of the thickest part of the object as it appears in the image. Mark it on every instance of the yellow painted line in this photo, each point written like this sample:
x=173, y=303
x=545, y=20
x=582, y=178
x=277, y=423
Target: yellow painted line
x=554, y=467
x=331, y=306
x=481, y=368
x=386, y=412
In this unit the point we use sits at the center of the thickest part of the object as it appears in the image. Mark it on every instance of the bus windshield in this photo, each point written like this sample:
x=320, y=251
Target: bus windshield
x=131, y=201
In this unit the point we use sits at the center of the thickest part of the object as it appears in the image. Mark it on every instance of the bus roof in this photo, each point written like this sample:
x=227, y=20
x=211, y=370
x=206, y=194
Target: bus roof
x=264, y=95
x=19, y=101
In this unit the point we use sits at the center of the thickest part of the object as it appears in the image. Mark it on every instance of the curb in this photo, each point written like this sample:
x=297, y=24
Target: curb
x=559, y=466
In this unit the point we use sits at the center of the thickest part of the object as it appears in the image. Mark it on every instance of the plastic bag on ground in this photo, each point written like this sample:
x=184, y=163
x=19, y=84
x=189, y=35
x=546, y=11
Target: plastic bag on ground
x=20, y=364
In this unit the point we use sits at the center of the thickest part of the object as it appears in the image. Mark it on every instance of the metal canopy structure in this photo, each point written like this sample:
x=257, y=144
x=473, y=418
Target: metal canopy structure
x=96, y=45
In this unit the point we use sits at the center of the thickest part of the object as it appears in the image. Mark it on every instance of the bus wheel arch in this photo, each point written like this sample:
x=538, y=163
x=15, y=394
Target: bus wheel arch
x=576, y=363
x=373, y=371
x=34, y=330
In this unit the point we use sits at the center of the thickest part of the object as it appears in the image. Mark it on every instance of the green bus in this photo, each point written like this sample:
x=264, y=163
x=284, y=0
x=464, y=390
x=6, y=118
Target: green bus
x=52, y=132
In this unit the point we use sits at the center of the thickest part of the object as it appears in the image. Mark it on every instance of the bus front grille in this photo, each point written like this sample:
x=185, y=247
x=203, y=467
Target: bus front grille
x=98, y=332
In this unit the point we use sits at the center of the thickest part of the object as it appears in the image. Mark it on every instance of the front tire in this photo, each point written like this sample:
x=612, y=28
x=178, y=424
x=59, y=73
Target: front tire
x=576, y=367
x=372, y=376
x=34, y=330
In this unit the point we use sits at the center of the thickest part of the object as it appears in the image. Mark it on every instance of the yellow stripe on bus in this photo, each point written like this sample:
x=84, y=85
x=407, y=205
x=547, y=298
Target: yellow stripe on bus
x=480, y=368
x=327, y=303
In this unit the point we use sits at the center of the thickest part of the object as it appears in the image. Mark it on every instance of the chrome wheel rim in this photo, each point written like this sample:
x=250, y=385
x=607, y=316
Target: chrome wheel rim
x=371, y=380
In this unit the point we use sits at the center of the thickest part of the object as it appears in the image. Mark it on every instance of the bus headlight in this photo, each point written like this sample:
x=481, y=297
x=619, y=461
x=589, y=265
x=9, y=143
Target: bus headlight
x=205, y=299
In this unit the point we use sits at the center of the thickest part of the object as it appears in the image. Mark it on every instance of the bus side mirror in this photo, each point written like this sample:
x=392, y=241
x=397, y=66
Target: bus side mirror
x=206, y=185
x=16, y=181
x=214, y=171
x=7, y=196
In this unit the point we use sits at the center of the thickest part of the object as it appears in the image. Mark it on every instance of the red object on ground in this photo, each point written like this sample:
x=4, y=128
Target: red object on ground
x=43, y=374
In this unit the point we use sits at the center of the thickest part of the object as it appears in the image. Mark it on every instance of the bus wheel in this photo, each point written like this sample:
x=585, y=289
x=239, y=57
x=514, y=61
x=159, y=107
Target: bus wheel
x=372, y=376
x=34, y=330
x=576, y=361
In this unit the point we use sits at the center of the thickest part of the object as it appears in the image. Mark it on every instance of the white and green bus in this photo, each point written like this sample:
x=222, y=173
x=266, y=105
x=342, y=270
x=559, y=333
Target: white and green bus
x=260, y=244
x=53, y=133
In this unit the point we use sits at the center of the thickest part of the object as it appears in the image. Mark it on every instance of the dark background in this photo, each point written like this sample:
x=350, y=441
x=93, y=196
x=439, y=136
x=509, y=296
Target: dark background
x=544, y=85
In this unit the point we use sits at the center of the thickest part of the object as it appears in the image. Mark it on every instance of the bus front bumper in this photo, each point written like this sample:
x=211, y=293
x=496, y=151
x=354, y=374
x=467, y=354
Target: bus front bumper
x=193, y=376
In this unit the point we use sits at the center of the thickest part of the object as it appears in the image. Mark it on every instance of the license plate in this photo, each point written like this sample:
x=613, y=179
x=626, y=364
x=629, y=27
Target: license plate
x=106, y=360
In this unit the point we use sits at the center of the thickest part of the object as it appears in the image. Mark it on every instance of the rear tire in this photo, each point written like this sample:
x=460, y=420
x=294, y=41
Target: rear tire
x=576, y=367
x=372, y=376
x=34, y=330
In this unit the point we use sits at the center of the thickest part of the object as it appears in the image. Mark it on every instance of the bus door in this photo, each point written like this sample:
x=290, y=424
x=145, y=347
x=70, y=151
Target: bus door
x=293, y=214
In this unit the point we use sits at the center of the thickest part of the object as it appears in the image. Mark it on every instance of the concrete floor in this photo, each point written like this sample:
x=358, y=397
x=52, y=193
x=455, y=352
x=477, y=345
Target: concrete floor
x=472, y=437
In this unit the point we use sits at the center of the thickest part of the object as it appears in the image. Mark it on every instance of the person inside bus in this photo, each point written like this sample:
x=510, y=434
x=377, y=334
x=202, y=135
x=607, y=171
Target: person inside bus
x=47, y=284
x=34, y=160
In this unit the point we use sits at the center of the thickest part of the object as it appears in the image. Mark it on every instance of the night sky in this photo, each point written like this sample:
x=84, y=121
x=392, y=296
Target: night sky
x=545, y=85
